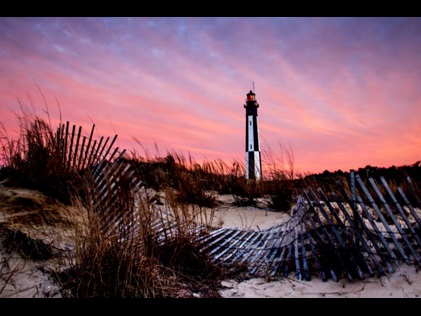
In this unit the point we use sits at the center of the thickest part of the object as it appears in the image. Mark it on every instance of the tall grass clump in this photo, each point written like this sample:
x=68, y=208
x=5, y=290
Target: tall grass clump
x=193, y=183
x=279, y=174
x=138, y=250
x=34, y=159
x=109, y=266
x=132, y=247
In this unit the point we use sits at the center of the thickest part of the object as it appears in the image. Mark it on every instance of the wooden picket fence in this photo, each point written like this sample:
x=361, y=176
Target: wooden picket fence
x=367, y=232
x=79, y=151
x=106, y=165
x=334, y=237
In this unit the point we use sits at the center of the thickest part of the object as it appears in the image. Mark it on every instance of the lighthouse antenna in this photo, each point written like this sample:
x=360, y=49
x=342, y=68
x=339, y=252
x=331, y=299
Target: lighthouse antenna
x=253, y=88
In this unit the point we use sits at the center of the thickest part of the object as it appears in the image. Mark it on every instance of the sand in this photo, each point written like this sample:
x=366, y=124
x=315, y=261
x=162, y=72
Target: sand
x=259, y=218
x=405, y=282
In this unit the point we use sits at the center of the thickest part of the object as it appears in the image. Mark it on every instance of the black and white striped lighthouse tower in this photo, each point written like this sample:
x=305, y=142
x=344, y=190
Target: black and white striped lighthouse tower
x=253, y=157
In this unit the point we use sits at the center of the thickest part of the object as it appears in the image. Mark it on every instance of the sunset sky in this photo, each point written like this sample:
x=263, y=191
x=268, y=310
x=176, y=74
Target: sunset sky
x=340, y=93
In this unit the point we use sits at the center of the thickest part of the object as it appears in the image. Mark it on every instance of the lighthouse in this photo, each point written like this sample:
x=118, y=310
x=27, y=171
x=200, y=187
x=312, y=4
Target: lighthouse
x=253, y=156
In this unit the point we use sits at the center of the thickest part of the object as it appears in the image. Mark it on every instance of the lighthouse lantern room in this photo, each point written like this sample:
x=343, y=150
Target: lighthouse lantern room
x=253, y=156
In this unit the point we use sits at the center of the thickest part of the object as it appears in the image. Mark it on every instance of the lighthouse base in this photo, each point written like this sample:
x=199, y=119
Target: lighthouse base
x=253, y=165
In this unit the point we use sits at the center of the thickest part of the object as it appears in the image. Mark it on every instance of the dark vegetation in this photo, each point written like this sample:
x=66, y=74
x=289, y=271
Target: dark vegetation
x=141, y=265
x=33, y=161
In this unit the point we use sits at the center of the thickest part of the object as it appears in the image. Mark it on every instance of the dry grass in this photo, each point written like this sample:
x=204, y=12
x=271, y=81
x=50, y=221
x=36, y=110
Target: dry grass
x=34, y=160
x=148, y=253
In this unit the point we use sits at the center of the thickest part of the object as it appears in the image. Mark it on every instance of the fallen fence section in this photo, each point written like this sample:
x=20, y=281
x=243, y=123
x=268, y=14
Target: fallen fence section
x=367, y=232
x=334, y=237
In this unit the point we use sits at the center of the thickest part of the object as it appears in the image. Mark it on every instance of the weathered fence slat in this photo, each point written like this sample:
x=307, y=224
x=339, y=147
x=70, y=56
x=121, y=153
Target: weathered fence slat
x=288, y=248
x=344, y=249
x=98, y=170
x=76, y=146
x=109, y=197
x=379, y=233
x=64, y=153
x=354, y=250
x=225, y=234
x=411, y=184
x=104, y=158
x=360, y=238
x=408, y=204
x=298, y=273
x=88, y=146
x=262, y=241
x=381, y=217
x=318, y=259
x=306, y=268
x=227, y=241
x=401, y=212
x=98, y=156
x=287, y=239
x=251, y=249
x=395, y=222
x=107, y=183
x=330, y=240
x=362, y=225
x=265, y=249
x=107, y=201
x=59, y=139
x=94, y=151
x=287, y=262
x=311, y=226
x=204, y=239
x=240, y=249
x=69, y=159
x=232, y=250
x=277, y=245
x=81, y=153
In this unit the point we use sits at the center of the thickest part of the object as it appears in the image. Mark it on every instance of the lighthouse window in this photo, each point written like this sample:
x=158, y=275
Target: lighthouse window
x=251, y=147
x=250, y=123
